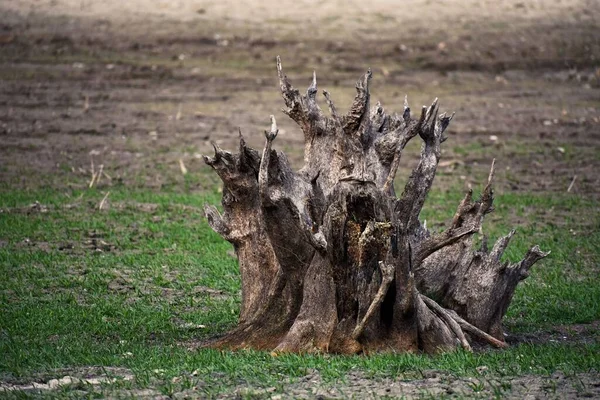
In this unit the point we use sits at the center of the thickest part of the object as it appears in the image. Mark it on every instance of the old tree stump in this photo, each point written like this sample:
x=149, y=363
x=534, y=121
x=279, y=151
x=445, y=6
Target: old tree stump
x=332, y=261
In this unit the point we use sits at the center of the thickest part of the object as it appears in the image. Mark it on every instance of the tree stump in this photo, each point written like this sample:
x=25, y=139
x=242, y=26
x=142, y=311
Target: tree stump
x=332, y=261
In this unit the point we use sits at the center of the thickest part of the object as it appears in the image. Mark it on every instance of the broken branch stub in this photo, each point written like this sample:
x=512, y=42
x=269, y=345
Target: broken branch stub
x=332, y=261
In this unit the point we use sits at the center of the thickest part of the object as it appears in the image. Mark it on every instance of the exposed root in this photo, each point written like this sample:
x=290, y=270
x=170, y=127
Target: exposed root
x=449, y=320
x=387, y=273
x=456, y=323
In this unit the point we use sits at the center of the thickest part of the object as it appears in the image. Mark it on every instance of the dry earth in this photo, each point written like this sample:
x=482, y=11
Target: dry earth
x=116, y=383
x=141, y=87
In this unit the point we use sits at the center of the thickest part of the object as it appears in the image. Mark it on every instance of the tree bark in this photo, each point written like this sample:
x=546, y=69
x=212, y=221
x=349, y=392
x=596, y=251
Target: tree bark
x=332, y=261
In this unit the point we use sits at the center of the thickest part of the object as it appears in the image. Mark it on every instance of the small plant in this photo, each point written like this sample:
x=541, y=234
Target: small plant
x=477, y=386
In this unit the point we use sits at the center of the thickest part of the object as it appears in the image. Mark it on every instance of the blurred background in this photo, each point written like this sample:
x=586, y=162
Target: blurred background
x=141, y=87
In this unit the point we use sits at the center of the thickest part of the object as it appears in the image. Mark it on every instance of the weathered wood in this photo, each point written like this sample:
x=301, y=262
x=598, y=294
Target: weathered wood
x=332, y=261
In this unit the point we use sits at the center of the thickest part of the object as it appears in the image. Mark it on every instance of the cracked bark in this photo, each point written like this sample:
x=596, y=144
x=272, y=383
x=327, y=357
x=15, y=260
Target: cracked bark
x=331, y=260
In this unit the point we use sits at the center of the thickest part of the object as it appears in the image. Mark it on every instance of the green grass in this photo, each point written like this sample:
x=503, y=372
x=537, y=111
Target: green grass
x=563, y=288
x=140, y=284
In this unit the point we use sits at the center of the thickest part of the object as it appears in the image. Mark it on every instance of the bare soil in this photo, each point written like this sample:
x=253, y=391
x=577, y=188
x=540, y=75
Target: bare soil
x=119, y=383
x=142, y=87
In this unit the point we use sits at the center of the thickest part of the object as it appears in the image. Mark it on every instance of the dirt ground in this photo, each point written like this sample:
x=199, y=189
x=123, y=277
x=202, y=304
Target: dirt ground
x=138, y=86
x=112, y=383
x=141, y=87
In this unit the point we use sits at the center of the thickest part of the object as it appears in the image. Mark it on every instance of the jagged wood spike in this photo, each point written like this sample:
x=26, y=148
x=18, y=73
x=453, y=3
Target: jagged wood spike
x=263, y=173
x=311, y=92
x=422, y=118
x=360, y=106
x=487, y=197
x=533, y=255
x=430, y=110
x=395, y=162
x=216, y=222
x=445, y=121
x=434, y=122
x=332, y=108
x=242, y=149
x=218, y=151
x=501, y=245
x=291, y=96
x=406, y=112
x=463, y=207
x=296, y=103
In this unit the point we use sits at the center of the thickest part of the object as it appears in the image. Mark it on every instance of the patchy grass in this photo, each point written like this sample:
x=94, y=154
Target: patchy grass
x=142, y=282
x=563, y=288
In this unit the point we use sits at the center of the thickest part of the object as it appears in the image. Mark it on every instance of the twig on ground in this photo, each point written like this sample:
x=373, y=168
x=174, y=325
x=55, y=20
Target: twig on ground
x=99, y=174
x=93, y=173
x=182, y=167
x=178, y=115
x=572, y=183
x=103, y=201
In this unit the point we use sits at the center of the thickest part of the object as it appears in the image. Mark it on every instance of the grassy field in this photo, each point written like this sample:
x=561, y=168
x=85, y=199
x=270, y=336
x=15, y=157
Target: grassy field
x=142, y=282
